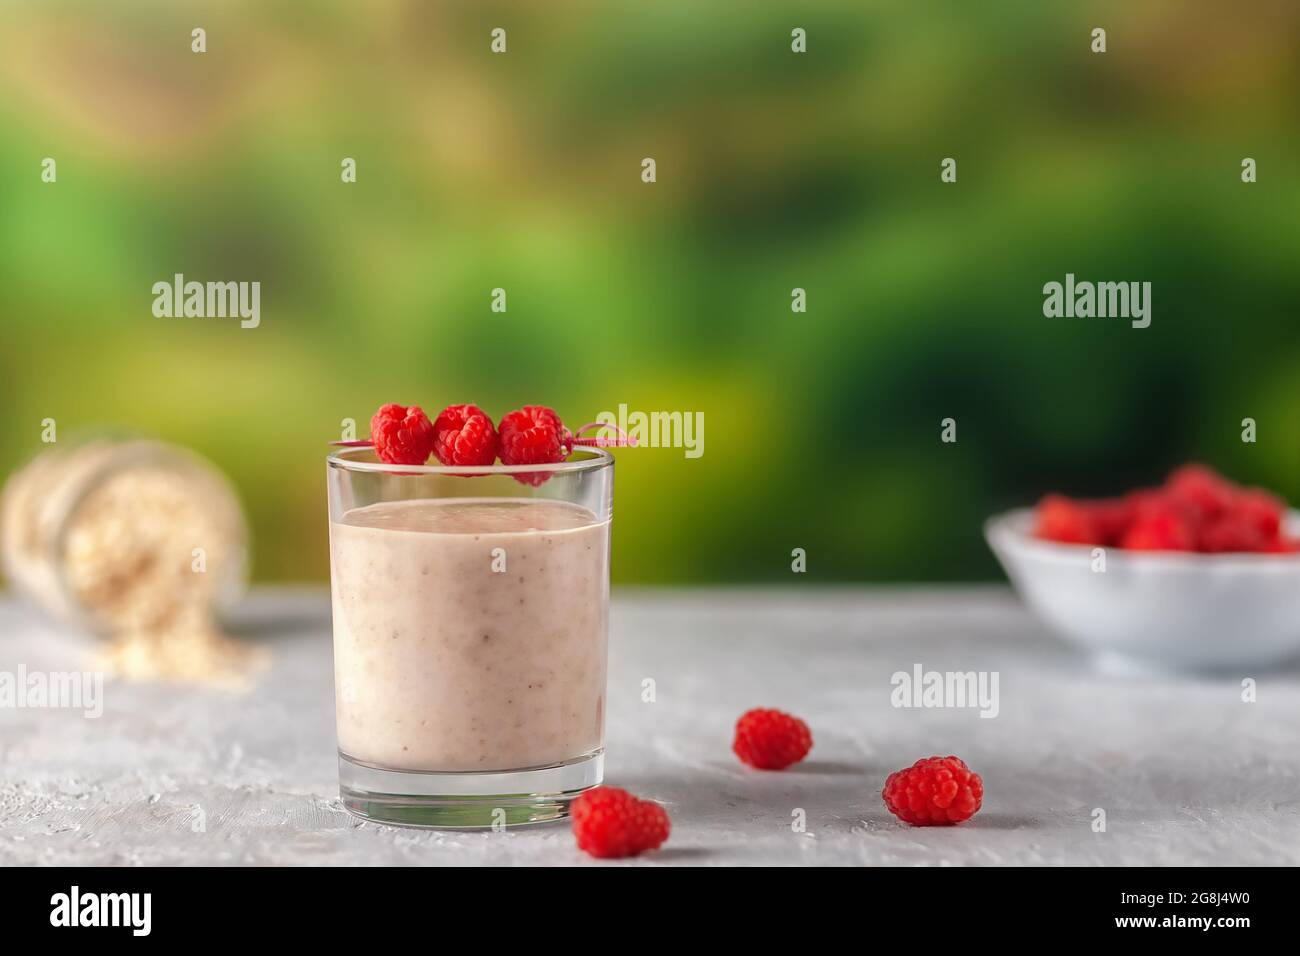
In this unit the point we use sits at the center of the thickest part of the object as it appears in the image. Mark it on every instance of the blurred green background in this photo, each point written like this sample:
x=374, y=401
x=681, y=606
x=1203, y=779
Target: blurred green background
x=775, y=170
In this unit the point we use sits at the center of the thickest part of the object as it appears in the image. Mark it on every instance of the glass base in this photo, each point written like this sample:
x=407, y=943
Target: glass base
x=466, y=801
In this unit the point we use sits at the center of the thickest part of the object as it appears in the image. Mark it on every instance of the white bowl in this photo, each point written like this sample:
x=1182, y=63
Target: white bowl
x=1204, y=612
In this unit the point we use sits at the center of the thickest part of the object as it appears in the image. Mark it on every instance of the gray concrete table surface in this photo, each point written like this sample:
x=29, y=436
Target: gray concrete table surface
x=1185, y=770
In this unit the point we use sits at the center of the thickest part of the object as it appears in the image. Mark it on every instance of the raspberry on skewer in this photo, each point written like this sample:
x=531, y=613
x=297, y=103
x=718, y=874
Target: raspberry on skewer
x=401, y=435
x=464, y=435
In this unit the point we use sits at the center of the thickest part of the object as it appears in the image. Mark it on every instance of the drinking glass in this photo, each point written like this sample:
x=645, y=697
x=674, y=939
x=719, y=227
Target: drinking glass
x=470, y=610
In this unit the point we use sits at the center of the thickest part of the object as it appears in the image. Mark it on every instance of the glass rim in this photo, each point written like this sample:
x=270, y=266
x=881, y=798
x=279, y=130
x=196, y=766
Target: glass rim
x=600, y=458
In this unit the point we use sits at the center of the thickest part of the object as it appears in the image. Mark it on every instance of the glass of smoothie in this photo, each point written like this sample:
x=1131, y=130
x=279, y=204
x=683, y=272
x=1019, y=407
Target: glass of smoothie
x=471, y=609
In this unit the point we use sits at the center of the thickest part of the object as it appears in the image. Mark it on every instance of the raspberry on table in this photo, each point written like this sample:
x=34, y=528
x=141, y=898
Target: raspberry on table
x=533, y=435
x=464, y=435
x=609, y=822
x=401, y=435
x=771, y=739
x=934, y=791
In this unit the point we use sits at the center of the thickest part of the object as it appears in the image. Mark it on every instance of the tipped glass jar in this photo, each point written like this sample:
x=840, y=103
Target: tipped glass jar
x=135, y=540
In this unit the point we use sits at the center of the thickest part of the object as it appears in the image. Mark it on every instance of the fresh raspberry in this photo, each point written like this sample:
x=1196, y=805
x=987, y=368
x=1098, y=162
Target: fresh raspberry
x=1110, y=519
x=401, y=435
x=771, y=739
x=1163, y=531
x=1282, y=545
x=1201, y=488
x=609, y=822
x=533, y=435
x=1260, y=509
x=1196, y=509
x=464, y=435
x=1063, y=519
x=934, y=791
x=1230, y=533
x=1145, y=503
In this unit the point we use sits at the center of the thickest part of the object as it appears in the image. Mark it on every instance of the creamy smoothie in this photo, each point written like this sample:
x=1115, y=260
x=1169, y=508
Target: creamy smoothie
x=469, y=633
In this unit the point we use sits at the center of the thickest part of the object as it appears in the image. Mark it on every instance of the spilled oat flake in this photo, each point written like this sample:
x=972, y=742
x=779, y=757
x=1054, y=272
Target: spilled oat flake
x=201, y=656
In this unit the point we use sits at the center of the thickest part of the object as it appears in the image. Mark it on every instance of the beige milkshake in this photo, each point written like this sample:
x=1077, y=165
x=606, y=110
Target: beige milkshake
x=469, y=633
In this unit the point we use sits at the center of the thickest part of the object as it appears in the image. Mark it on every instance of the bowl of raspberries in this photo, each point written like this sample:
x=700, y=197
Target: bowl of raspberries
x=1199, y=573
